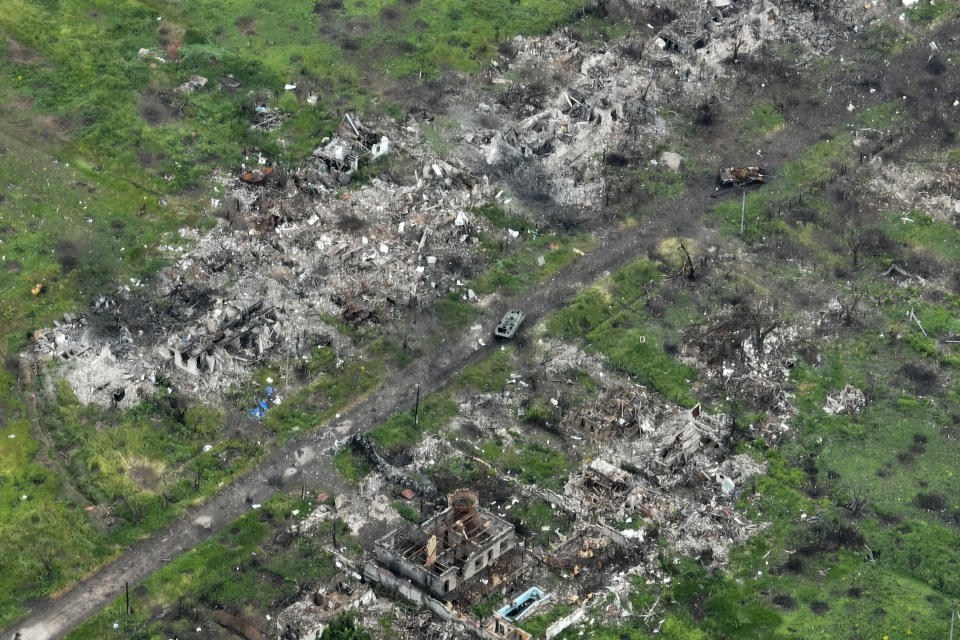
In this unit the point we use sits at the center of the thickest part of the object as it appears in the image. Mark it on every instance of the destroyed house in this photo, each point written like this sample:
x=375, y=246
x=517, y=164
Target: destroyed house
x=449, y=548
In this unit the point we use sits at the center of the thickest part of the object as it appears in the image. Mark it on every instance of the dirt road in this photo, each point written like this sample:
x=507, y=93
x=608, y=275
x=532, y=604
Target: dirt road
x=307, y=460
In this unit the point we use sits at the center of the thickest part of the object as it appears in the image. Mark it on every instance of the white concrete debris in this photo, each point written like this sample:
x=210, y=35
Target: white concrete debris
x=847, y=400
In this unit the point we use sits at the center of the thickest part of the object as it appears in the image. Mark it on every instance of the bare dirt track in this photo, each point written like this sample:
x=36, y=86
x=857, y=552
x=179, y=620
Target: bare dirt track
x=307, y=460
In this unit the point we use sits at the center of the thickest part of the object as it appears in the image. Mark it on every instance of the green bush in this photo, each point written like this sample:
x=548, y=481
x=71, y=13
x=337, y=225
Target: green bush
x=203, y=421
x=345, y=627
x=288, y=102
x=406, y=511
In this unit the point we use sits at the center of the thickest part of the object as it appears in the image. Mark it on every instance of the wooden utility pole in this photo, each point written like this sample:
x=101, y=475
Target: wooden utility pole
x=416, y=409
x=743, y=210
x=126, y=586
x=953, y=616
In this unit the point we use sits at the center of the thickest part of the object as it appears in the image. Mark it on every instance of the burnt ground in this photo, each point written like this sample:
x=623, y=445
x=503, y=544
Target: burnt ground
x=810, y=115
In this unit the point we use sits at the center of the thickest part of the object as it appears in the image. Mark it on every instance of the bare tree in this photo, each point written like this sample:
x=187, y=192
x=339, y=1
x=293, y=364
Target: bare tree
x=850, y=305
x=855, y=239
x=749, y=321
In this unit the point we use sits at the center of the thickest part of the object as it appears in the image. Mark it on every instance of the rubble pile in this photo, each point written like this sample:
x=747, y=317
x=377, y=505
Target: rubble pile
x=292, y=249
x=289, y=253
x=935, y=191
x=726, y=353
x=676, y=477
x=562, y=108
x=621, y=412
x=554, y=144
x=847, y=400
x=591, y=555
x=309, y=617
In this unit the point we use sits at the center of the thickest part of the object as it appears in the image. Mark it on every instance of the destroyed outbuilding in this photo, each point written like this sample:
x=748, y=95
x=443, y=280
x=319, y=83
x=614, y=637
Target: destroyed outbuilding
x=449, y=548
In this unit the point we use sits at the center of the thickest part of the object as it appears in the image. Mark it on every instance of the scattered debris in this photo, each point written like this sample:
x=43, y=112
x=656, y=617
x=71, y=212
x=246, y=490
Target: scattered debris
x=193, y=83
x=500, y=628
x=847, y=400
x=309, y=617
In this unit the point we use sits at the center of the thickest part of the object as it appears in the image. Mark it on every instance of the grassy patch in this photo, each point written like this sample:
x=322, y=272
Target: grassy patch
x=498, y=217
x=610, y=316
x=146, y=465
x=884, y=39
x=659, y=181
x=352, y=465
x=336, y=382
x=896, y=448
x=46, y=545
x=531, y=462
x=762, y=120
x=794, y=179
x=925, y=234
x=406, y=511
x=197, y=578
x=522, y=269
x=537, y=624
x=490, y=374
x=928, y=11
x=401, y=430
x=883, y=116
x=455, y=314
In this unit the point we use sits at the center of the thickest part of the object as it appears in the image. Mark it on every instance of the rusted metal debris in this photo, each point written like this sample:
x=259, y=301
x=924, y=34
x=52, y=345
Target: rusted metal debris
x=742, y=176
x=257, y=175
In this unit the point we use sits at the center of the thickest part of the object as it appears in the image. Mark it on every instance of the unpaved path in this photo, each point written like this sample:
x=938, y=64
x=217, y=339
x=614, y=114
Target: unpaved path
x=307, y=460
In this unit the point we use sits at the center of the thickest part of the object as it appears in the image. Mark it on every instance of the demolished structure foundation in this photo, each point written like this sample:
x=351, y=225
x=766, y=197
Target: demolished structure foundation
x=449, y=548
